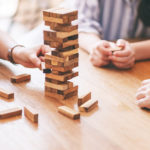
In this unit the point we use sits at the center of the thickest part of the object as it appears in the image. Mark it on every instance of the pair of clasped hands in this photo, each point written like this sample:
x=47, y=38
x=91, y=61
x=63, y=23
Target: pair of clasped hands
x=101, y=55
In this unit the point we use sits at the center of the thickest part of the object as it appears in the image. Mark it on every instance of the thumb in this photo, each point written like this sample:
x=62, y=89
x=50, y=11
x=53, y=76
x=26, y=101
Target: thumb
x=35, y=61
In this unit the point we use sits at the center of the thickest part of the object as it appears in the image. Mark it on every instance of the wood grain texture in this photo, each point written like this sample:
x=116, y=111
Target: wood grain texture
x=31, y=114
x=88, y=105
x=6, y=93
x=10, y=112
x=69, y=112
x=20, y=78
x=83, y=98
x=117, y=124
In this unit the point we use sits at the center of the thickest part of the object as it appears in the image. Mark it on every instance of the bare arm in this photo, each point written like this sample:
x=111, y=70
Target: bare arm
x=6, y=42
x=142, y=50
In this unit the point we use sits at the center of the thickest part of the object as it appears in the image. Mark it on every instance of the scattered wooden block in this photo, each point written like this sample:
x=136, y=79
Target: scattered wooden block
x=31, y=114
x=6, y=94
x=69, y=112
x=10, y=113
x=20, y=78
x=84, y=98
x=89, y=105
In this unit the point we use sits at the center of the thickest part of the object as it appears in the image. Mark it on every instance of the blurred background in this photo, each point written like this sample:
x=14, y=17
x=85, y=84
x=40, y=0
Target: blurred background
x=18, y=17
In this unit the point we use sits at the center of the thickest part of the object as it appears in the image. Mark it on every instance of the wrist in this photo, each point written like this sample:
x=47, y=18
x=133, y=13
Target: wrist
x=18, y=53
x=13, y=53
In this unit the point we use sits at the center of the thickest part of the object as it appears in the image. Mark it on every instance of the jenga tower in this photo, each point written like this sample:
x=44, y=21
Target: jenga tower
x=63, y=37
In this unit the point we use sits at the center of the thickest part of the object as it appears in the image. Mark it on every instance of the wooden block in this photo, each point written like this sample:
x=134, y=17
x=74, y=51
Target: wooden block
x=60, y=12
x=64, y=59
x=82, y=99
x=68, y=48
x=89, y=105
x=60, y=96
x=6, y=94
x=59, y=34
x=20, y=78
x=55, y=63
x=64, y=93
x=55, y=58
x=68, y=53
x=31, y=114
x=57, y=86
x=58, y=45
x=53, y=39
x=61, y=69
x=62, y=77
x=56, y=20
x=61, y=27
x=69, y=112
x=10, y=113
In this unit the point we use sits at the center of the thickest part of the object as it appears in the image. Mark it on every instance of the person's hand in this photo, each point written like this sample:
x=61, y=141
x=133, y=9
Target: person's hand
x=125, y=58
x=99, y=53
x=143, y=95
x=30, y=57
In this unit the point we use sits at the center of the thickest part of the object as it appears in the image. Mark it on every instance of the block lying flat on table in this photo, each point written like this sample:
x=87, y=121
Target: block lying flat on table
x=82, y=99
x=10, y=113
x=55, y=58
x=69, y=112
x=31, y=114
x=64, y=93
x=6, y=94
x=89, y=105
x=20, y=78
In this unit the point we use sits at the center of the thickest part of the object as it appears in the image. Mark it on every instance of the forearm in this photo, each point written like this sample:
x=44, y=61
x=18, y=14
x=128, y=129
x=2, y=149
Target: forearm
x=6, y=42
x=87, y=40
x=142, y=50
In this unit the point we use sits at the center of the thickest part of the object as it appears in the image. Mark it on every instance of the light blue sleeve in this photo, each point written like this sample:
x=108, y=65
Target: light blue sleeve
x=89, y=14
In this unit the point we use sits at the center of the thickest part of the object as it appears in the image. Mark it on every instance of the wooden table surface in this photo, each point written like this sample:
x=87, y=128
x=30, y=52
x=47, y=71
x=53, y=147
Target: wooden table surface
x=116, y=124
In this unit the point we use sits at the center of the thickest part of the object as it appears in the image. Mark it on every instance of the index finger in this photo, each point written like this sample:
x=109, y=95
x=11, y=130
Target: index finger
x=122, y=53
x=104, y=51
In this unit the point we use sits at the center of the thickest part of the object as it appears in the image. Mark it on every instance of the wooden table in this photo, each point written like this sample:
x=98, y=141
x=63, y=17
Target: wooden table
x=117, y=124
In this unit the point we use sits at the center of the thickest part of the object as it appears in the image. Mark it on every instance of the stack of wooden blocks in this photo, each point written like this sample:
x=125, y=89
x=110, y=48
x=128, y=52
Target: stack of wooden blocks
x=63, y=37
